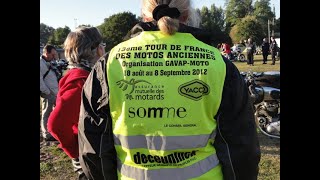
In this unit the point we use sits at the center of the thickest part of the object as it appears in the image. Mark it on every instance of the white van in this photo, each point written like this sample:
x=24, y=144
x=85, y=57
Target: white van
x=278, y=41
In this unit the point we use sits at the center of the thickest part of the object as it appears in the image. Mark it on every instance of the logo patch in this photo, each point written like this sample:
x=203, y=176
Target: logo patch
x=124, y=84
x=194, y=89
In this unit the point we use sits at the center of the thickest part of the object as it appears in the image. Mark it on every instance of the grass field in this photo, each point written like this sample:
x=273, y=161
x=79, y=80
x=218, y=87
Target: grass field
x=55, y=165
x=258, y=66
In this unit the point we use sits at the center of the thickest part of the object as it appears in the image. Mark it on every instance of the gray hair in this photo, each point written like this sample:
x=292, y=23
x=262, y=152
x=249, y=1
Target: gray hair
x=167, y=24
x=82, y=44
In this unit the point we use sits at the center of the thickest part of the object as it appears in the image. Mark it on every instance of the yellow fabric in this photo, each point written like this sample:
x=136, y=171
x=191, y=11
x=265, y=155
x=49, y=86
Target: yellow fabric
x=165, y=86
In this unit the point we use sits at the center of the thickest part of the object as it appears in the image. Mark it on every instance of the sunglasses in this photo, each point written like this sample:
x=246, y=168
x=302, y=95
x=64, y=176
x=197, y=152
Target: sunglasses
x=103, y=44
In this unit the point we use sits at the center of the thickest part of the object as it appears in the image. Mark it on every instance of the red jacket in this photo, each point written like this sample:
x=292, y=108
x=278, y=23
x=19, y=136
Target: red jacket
x=63, y=120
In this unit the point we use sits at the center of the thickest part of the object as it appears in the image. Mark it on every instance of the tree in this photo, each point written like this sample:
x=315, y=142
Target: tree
x=45, y=32
x=263, y=13
x=59, y=36
x=213, y=21
x=140, y=18
x=214, y=17
x=277, y=25
x=116, y=27
x=247, y=27
x=236, y=10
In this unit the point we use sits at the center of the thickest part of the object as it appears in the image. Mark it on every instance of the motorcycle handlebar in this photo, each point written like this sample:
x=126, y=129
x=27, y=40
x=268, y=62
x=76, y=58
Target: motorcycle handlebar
x=253, y=93
x=256, y=93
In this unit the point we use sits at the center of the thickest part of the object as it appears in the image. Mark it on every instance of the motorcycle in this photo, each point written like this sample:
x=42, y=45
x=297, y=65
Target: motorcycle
x=59, y=66
x=238, y=56
x=235, y=56
x=264, y=89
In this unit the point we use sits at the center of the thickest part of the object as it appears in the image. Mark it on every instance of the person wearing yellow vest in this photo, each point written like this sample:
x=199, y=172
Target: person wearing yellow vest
x=164, y=104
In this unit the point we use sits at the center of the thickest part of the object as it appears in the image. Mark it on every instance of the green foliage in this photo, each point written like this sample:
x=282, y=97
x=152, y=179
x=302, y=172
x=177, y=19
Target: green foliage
x=247, y=27
x=235, y=36
x=59, y=36
x=262, y=10
x=213, y=21
x=212, y=18
x=116, y=27
x=263, y=13
x=45, y=32
x=139, y=18
x=236, y=10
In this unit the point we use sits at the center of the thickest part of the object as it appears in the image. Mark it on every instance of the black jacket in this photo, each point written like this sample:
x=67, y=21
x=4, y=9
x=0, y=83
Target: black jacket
x=273, y=46
x=236, y=142
x=265, y=47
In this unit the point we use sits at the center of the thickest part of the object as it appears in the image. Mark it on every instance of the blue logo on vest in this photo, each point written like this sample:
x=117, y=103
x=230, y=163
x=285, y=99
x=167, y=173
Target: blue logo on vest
x=194, y=89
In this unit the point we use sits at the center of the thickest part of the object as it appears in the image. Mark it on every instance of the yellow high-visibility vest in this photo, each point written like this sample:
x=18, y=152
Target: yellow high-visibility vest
x=164, y=92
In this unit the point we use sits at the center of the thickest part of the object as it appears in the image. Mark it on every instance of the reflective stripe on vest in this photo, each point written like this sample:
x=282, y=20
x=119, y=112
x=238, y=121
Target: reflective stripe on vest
x=172, y=173
x=164, y=92
x=156, y=142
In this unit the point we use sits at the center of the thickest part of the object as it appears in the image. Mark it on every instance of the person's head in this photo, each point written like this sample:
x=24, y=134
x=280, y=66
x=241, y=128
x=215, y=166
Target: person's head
x=85, y=43
x=265, y=40
x=167, y=13
x=249, y=40
x=272, y=38
x=49, y=53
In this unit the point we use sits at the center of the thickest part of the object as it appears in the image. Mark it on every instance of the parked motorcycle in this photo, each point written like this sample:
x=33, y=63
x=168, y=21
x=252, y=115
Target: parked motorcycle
x=264, y=89
x=59, y=66
x=238, y=56
x=235, y=56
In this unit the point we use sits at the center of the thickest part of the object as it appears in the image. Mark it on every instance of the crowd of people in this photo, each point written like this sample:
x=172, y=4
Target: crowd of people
x=108, y=123
x=267, y=49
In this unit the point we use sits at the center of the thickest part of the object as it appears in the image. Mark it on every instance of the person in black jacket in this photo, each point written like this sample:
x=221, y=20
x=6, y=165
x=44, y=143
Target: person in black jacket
x=273, y=49
x=236, y=142
x=265, y=50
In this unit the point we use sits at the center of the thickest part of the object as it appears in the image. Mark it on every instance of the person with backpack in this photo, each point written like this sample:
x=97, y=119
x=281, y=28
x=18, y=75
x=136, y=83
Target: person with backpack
x=48, y=88
x=164, y=104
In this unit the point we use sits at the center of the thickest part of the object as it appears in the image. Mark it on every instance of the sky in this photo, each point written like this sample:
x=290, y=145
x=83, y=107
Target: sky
x=71, y=13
